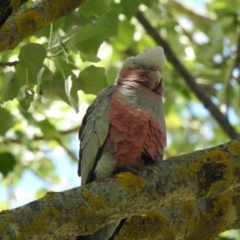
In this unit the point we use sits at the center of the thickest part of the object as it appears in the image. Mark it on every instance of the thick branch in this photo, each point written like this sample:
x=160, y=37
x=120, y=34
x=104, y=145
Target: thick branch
x=189, y=79
x=197, y=219
x=7, y=7
x=83, y=210
x=34, y=19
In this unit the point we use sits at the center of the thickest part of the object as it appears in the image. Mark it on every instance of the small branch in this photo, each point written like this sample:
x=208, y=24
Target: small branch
x=182, y=180
x=189, y=79
x=9, y=64
x=4, y=140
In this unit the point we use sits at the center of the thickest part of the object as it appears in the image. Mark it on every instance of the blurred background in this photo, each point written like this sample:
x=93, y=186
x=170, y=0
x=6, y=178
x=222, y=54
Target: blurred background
x=49, y=80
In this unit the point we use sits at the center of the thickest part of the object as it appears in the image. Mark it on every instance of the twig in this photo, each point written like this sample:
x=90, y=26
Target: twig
x=4, y=140
x=9, y=64
x=189, y=79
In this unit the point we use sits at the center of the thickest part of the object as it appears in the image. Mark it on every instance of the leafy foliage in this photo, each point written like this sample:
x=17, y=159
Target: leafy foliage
x=63, y=65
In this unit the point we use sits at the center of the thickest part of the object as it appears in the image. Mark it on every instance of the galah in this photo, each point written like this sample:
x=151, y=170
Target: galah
x=124, y=126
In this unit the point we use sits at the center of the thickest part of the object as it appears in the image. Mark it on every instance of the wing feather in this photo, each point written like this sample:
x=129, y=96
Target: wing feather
x=93, y=134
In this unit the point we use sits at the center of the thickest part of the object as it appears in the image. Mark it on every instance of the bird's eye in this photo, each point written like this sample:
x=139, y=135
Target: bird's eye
x=153, y=69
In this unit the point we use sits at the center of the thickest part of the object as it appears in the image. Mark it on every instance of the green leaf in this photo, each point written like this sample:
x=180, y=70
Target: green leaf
x=92, y=80
x=111, y=74
x=52, y=88
x=88, y=38
x=6, y=121
x=45, y=169
x=60, y=85
x=130, y=7
x=110, y=20
x=148, y=2
x=7, y=163
x=89, y=58
x=25, y=76
x=125, y=36
x=31, y=56
x=40, y=193
x=10, y=87
x=44, y=75
x=94, y=7
x=47, y=128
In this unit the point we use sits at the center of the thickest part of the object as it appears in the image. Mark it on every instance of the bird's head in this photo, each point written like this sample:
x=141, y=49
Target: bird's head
x=145, y=69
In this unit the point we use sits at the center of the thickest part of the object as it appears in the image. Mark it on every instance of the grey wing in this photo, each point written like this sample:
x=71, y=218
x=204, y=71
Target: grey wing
x=93, y=134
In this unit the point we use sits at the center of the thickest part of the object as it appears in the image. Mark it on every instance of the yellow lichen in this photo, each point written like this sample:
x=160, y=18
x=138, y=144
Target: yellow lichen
x=68, y=206
x=181, y=173
x=187, y=209
x=196, y=225
x=149, y=225
x=222, y=209
x=96, y=202
x=50, y=196
x=169, y=206
x=195, y=166
x=57, y=8
x=15, y=4
x=202, y=179
x=40, y=223
x=218, y=156
x=218, y=187
x=10, y=219
x=2, y=229
x=4, y=45
x=202, y=157
x=223, y=169
x=87, y=194
x=87, y=217
x=234, y=148
x=132, y=183
x=28, y=22
x=155, y=195
x=4, y=211
x=6, y=28
x=236, y=169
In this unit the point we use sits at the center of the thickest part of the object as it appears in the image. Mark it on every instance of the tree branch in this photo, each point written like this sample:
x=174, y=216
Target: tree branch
x=83, y=210
x=197, y=219
x=5, y=140
x=189, y=79
x=33, y=19
x=9, y=64
x=8, y=7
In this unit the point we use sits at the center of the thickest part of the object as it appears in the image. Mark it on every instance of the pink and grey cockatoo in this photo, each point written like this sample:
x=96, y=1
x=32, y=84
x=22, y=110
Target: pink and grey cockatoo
x=125, y=126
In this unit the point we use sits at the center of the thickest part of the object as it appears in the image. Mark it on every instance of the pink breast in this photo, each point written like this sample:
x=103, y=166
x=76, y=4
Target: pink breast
x=134, y=131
